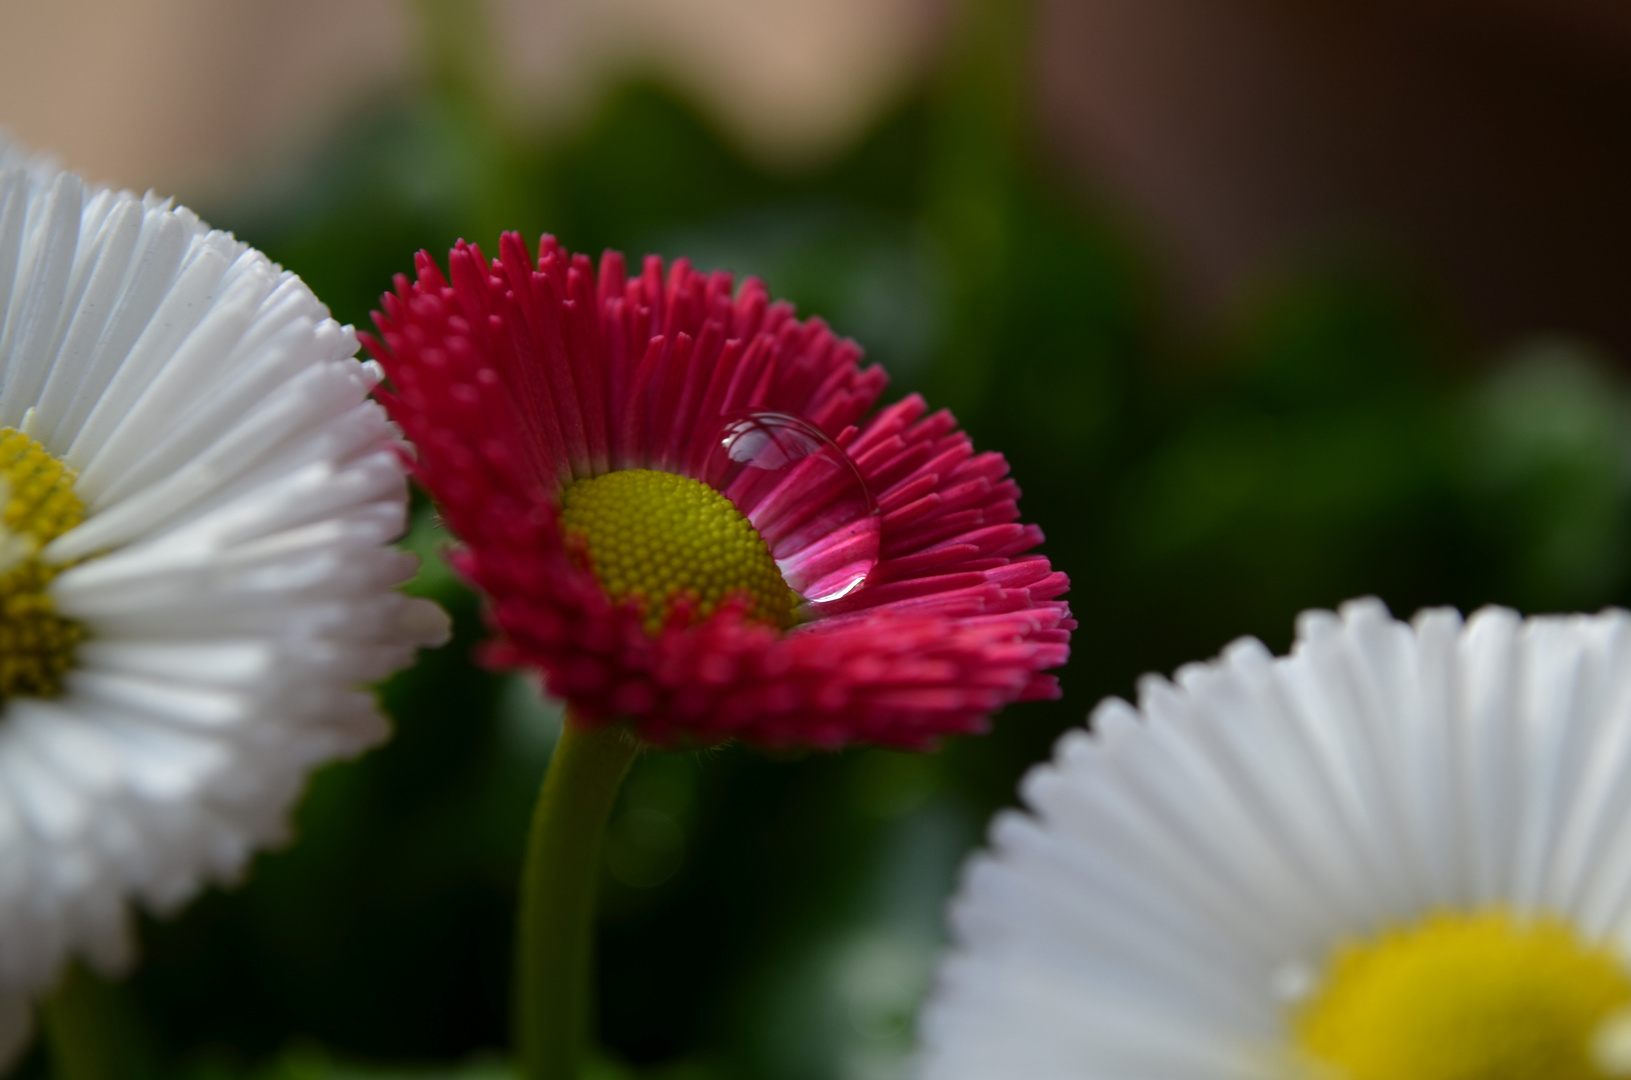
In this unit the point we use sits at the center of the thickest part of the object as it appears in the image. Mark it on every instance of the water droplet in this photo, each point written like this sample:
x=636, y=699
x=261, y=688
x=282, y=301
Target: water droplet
x=806, y=498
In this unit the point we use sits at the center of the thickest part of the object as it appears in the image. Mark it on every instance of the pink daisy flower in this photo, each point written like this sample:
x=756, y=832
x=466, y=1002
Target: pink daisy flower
x=673, y=498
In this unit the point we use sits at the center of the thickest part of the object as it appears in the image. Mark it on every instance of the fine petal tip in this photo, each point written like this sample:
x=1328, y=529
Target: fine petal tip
x=426, y=623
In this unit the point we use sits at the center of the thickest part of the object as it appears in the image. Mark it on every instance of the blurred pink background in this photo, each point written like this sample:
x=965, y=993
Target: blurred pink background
x=1486, y=144
x=177, y=93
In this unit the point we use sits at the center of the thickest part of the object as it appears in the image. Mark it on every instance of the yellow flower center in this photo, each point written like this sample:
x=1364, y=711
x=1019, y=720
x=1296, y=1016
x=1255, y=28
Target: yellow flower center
x=658, y=539
x=39, y=504
x=1481, y=996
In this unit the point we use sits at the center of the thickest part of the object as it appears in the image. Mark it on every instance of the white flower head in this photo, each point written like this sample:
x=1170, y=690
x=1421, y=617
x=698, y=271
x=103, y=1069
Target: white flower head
x=1403, y=850
x=197, y=499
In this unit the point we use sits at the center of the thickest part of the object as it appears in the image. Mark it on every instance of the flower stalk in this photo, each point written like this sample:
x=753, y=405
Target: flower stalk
x=555, y=932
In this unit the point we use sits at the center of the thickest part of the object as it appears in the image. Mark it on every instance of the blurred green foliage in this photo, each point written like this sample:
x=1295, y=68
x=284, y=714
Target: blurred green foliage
x=779, y=917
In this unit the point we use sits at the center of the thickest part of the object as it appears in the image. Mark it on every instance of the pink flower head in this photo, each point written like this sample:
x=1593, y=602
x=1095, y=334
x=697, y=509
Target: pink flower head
x=912, y=606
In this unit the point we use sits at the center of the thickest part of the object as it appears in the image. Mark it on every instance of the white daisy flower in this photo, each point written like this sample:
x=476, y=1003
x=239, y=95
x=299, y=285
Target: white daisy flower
x=1402, y=852
x=196, y=502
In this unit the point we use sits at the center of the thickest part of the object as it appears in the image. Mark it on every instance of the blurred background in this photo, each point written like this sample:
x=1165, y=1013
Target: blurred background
x=1269, y=304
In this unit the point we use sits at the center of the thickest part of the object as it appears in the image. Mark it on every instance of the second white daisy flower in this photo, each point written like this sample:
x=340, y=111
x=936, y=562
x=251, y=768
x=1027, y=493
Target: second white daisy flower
x=1402, y=851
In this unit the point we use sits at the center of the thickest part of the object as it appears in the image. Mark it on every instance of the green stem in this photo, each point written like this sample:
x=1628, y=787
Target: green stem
x=555, y=934
x=90, y=1030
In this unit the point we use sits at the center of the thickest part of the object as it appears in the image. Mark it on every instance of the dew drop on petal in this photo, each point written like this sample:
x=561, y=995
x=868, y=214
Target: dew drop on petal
x=805, y=497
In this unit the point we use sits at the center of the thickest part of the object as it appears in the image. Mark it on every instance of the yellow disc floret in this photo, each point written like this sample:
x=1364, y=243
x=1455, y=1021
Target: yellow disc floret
x=1479, y=996
x=39, y=504
x=658, y=539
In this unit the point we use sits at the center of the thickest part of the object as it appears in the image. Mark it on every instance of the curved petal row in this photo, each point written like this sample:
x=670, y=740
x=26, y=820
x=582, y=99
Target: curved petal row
x=1186, y=869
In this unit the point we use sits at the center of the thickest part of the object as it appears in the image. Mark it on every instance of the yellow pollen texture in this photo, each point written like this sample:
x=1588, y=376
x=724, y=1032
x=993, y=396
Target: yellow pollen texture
x=1478, y=996
x=659, y=538
x=36, y=644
